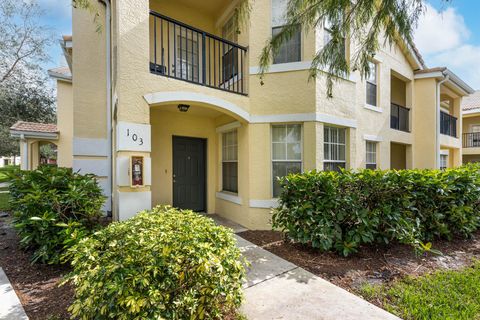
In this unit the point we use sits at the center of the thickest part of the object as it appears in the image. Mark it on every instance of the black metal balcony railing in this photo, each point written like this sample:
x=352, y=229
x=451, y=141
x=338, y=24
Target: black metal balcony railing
x=399, y=118
x=448, y=124
x=471, y=140
x=186, y=53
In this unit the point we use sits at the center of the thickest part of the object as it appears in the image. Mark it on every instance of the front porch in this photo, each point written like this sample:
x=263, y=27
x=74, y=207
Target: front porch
x=199, y=156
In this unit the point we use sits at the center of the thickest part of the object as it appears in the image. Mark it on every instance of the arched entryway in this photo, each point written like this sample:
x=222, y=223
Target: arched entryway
x=195, y=150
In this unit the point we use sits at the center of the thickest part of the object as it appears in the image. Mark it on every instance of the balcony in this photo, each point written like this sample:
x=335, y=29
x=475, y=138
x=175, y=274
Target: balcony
x=189, y=54
x=448, y=124
x=399, y=118
x=471, y=140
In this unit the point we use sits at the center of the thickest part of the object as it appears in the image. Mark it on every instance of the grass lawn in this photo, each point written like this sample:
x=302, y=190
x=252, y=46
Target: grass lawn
x=4, y=197
x=452, y=294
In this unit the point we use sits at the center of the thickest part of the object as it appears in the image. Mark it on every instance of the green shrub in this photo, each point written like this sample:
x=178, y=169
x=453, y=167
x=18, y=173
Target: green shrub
x=54, y=208
x=342, y=211
x=164, y=264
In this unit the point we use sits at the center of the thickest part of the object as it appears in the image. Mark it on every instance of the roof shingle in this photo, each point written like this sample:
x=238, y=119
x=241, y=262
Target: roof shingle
x=472, y=101
x=34, y=127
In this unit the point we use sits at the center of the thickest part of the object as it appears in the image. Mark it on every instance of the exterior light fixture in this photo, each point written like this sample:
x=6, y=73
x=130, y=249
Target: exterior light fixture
x=183, y=107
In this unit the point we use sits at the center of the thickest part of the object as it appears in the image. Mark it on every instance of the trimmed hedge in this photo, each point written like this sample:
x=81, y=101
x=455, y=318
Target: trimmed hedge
x=342, y=211
x=164, y=264
x=53, y=209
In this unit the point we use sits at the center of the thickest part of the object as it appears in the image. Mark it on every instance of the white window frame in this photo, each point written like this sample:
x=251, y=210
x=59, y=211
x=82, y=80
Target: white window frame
x=223, y=135
x=374, y=153
x=373, y=83
x=337, y=145
x=288, y=161
x=443, y=161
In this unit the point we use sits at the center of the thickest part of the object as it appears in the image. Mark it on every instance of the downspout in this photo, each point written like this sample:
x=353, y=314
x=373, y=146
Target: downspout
x=437, y=135
x=109, y=96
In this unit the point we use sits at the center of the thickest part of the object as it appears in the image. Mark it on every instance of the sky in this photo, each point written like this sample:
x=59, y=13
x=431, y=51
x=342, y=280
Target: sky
x=447, y=35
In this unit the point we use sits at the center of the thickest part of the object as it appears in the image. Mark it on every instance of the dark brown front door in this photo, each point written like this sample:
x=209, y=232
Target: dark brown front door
x=189, y=173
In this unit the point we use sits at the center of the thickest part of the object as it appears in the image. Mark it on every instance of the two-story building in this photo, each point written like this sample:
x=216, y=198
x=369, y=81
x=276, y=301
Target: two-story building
x=165, y=106
x=471, y=127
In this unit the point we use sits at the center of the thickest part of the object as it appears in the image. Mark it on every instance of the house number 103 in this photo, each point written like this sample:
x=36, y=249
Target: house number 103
x=135, y=138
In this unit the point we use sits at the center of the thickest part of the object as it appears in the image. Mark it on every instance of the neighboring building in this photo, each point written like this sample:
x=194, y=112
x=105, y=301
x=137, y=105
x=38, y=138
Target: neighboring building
x=32, y=136
x=165, y=106
x=10, y=161
x=471, y=127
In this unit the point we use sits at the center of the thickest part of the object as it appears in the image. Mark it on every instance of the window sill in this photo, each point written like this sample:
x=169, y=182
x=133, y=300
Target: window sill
x=229, y=196
x=373, y=108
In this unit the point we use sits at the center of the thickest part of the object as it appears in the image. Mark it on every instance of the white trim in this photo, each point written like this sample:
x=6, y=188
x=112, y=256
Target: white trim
x=131, y=203
x=276, y=118
x=373, y=138
x=186, y=96
x=228, y=127
x=471, y=111
x=33, y=135
x=229, y=197
x=305, y=117
x=60, y=76
x=444, y=152
x=435, y=74
x=265, y=204
x=373, y=108
x=98, y=167
x=283, y=67
x=376, y=59
x=330, y=119
x=90, y=147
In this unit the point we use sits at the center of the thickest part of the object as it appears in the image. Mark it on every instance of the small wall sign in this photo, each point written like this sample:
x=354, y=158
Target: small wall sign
x=133, y=137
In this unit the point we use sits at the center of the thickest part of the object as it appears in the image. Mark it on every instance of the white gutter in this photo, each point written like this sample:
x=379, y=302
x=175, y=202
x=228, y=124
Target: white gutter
x=437, y=124
x=109, y=95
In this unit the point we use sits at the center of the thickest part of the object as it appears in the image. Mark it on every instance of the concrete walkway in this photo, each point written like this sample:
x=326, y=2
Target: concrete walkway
x=10, y=306
x=278, y=289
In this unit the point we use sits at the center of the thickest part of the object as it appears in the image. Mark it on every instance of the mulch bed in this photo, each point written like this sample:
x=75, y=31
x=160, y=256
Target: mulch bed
x=36, y=285
x=374, y=264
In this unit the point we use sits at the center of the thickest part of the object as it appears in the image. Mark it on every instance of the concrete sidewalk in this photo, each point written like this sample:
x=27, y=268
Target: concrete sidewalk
x=10, y=306
x=278, y=289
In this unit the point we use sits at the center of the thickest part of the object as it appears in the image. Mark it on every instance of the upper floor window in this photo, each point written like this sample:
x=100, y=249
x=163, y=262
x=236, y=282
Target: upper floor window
x=286, y=152
x=229, y=31
x=371, y=155
x=230, y=59
x=230, y=161
x=290, y=50
x=334, y=143
x=327, y=36
x=372, y=81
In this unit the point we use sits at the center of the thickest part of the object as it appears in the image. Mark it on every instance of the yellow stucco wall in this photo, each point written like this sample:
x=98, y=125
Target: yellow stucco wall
x=424, y=123
x=89, y=75
x=65, y=124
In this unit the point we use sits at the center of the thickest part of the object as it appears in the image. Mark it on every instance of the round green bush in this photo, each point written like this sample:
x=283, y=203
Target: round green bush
x=163, y=264
x=53, y=209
